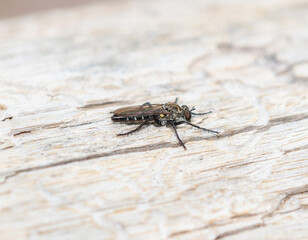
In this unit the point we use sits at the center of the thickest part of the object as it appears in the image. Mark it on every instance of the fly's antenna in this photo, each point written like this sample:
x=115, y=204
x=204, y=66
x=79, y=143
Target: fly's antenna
x=176, y=100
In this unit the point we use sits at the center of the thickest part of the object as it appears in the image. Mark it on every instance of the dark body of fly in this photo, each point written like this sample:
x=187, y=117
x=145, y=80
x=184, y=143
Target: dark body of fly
x=170, y=114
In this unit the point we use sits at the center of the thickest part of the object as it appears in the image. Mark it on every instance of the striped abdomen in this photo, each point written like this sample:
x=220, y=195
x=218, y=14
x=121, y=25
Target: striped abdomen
x=138, y=113
x=131, y=118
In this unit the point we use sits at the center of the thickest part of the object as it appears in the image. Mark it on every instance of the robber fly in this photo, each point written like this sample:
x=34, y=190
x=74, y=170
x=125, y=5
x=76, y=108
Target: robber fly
x=169, y=114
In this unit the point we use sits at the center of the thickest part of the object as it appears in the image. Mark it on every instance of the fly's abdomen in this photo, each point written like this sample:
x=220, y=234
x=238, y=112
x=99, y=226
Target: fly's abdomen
x=138, y=113
x=130, y=118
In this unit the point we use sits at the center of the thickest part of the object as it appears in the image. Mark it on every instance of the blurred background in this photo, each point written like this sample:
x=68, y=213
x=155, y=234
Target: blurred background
x=65, y=175
x=13, y=8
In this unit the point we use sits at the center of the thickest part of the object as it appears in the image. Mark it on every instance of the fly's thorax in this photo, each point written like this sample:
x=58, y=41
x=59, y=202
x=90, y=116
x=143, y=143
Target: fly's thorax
x=172, y=111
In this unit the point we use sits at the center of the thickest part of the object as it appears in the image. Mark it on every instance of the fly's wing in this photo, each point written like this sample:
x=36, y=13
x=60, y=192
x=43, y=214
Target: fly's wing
x=142, y=110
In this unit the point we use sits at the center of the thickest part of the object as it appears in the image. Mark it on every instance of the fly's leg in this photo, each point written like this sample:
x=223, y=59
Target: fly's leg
x=176, y=133
x=135, y=130
x=158, y=122
x=200, y=113
x=147, y=104
x=176, y=100
x=193, y=109
x=204, y=129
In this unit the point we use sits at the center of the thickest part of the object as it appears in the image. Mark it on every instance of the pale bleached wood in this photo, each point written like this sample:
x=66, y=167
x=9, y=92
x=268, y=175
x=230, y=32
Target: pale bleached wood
x=65, y=175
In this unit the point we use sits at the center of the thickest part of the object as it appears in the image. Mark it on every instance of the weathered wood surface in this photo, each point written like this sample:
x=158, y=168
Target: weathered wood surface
x=64, y=174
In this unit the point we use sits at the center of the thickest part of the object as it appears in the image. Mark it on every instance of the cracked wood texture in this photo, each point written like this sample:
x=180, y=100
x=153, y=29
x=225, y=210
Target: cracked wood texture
x=65, y=175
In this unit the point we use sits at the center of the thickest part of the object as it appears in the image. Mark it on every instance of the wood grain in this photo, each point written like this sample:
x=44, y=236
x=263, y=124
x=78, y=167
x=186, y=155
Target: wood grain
x=65, y=175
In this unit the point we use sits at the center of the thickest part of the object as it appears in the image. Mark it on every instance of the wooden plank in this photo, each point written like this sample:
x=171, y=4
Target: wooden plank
x=65, y=175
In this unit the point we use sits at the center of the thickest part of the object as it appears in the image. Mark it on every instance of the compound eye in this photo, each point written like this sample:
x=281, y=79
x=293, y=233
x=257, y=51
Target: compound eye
x=187, y=114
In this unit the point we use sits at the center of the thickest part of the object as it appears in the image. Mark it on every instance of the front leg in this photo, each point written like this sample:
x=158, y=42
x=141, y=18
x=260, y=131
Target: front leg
x=200, y=113
x=176, y=133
